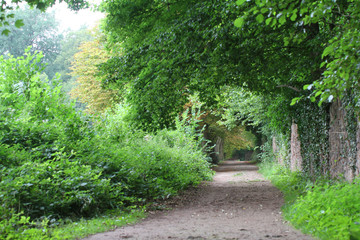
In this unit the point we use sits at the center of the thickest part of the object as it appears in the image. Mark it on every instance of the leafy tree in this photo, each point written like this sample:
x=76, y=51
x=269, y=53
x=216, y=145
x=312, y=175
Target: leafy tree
x=175, y=48
x=89, y=85
x=69, y=47
x=6, y=6
x=40, y=32
x=164, y=54
x=330, y=26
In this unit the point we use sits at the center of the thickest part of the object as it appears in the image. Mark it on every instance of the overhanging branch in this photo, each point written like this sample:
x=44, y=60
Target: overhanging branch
x=291, y=87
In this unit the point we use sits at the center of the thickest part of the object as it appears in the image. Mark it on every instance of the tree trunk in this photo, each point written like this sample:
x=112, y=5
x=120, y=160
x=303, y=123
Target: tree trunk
x=295, y=158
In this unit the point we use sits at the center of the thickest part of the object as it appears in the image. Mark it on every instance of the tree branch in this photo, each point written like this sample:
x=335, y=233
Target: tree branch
x=291, y=87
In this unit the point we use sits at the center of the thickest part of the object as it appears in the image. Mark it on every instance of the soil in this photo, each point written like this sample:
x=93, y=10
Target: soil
x=238, y=204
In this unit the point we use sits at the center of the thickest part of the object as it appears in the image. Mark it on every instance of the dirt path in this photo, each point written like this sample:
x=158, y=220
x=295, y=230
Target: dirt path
x=238, y=204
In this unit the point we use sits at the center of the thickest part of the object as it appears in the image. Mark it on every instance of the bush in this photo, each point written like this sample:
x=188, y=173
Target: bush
x=56, y=164
x=159, y=170
x=55, y=189
x=328, y=211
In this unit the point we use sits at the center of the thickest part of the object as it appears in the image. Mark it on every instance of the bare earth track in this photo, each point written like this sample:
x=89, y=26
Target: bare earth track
x=238, y=204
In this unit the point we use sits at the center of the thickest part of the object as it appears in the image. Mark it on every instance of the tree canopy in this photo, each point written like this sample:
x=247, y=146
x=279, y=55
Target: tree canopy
x=329, y=26
x=172, y=49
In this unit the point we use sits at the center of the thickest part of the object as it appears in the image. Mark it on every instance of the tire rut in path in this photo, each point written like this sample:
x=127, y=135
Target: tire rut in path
x=238, y=204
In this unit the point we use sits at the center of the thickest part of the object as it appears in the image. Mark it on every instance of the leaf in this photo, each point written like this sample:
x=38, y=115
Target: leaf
x=282, y=19
x=239, y=22
x=41, y=5
x=267, y=21
x=5, y=32
x=294, y=101
x=274, y=22
x=264, y=10
x=286, y=41
x=19, y=23
x=327, y=50
x=293, y=17
x=240, y=2
x=318, y=93
x=260, y=18
x=323, y=64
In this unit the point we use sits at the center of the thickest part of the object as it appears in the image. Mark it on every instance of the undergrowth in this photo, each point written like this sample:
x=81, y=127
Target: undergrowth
x=58, y=165
x=326, y=209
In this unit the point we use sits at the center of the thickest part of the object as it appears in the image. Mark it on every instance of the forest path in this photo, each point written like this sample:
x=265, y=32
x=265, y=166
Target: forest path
x=238, y=204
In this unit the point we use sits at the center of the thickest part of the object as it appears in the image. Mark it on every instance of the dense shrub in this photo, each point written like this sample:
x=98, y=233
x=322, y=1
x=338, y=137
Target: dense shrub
x=56, y=163
x=328, y=211
x=149, y=166
x=53, y=189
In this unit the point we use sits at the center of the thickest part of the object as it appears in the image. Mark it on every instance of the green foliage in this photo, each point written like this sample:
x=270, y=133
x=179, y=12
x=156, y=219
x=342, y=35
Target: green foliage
x=292, y=184
x=86, y=227
x=34, y=115
x=322, y=23
x=17, y=226
x=327, y=211
x=149, y=166
x=53, y=189
x=56, y=164
x=235, y=136
x=242, y=106
x=272, y=116
x=40, y=31
x=8, y=6
x=170, y=51
x=325, y=208
x=313, y=128
x=69, y=46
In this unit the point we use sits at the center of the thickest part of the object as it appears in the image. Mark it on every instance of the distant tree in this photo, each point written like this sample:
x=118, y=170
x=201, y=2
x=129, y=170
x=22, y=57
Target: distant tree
x=6, y=6
x=88, y=87
x=40, y=31
x=69, y=47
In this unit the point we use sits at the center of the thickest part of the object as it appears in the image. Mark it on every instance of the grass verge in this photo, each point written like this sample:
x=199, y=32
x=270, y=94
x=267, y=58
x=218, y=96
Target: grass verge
x=325, y=208
x=65, y=229
x=83, y=228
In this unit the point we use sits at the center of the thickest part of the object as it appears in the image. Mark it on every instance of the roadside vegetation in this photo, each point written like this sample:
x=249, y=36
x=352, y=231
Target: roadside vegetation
x=59, y=165
x=324, y=208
